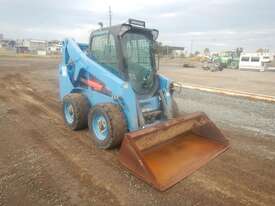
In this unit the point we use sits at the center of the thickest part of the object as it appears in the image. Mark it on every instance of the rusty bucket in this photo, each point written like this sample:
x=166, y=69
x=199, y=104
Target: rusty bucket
x=167, y=152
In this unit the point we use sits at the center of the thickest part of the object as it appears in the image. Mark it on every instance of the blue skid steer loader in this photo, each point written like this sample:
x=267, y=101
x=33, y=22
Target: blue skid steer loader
x=112, y=87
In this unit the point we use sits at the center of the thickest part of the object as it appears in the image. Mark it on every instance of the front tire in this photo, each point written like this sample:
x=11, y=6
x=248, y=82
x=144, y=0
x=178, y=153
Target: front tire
x=107, y=125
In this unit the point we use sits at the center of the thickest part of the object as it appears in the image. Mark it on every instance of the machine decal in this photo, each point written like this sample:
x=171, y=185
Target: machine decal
x=94, y=85
x=92, y=82
x=64, y=71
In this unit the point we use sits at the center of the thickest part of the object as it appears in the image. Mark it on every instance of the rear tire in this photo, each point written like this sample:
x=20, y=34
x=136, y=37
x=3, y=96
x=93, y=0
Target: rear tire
x=75, y=111
x=107, y=125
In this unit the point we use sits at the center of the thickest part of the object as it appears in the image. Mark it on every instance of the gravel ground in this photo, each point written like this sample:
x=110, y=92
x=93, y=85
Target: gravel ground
x=243, y=113
x=42, y=162
x=246, y=81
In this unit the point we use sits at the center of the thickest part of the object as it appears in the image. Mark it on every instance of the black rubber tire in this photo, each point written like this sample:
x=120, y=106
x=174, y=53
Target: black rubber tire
x=116, y=123
x=175, y=108
x=81, y=108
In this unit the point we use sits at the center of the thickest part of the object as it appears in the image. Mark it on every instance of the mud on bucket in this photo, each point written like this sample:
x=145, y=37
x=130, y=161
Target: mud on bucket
x=165, y=153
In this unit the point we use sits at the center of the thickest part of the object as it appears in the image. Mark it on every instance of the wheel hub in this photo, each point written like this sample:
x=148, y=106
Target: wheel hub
x=100, y=126
x=69, y=113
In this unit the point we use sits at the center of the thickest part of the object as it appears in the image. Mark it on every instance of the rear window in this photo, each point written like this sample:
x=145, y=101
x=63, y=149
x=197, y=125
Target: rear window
x=245, y=59
x=255, y=59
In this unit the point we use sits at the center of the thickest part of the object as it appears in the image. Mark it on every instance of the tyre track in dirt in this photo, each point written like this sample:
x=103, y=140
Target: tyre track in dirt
x=63, y=148
x=46, y=118
x=76, y=151
x=37, y=131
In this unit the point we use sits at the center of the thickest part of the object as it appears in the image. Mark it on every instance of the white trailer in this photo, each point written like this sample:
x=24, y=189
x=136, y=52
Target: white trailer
x=254, y=61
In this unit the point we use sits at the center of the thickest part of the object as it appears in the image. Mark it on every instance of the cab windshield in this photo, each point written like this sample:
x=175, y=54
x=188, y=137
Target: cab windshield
x=138, y=57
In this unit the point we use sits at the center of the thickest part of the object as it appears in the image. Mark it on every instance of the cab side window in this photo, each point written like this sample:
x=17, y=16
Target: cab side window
x=104, y=50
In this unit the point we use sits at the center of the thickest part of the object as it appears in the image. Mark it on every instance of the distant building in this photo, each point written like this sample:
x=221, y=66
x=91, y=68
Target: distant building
x=32, y=46
x=37, y=45
x=177, y=51
x=22, y=49
x=54, y=47
x=41, y=53
x=22, y=43
x=1, y=36
x=7, y=43
x=22, y=46
x=171, y=51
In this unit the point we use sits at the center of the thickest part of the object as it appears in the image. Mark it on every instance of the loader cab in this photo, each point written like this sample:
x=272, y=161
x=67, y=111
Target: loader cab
x=127, y=50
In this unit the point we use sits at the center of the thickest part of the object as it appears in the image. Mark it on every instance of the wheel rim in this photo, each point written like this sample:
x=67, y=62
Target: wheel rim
x=69, y=113
x=100, y=126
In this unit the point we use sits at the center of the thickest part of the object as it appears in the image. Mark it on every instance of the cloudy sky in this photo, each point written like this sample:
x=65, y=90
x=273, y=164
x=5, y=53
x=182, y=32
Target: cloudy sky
x=217, y=24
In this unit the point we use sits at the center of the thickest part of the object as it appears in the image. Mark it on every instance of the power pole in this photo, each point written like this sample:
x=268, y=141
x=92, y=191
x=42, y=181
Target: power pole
x=110, y=16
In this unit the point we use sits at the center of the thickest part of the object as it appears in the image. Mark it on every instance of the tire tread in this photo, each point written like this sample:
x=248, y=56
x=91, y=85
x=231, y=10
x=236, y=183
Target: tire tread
x=118, y=126
x=81, y=107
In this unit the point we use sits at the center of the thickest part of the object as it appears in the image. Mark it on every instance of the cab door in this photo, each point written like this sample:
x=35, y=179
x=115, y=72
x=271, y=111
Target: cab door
x=104, y=51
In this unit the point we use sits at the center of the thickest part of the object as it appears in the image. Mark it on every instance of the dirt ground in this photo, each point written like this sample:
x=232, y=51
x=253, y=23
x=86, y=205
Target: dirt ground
x=44, y=163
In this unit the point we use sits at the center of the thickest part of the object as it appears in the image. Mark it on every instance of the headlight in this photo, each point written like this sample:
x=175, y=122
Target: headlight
x=155, y=34
x=124, y=28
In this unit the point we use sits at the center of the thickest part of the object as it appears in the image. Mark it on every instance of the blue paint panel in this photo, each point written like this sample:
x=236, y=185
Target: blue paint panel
x=74, y=60
x=65, y=85
x=164, y=82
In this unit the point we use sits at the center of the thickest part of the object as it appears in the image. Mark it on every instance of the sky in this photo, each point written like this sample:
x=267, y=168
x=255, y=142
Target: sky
x=215, y=24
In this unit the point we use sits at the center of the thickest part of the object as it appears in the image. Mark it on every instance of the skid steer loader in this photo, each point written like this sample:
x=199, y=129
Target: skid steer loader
x=112, y=86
